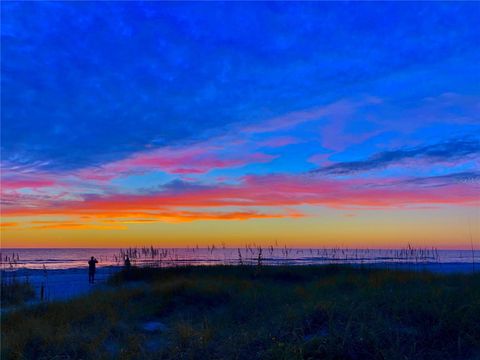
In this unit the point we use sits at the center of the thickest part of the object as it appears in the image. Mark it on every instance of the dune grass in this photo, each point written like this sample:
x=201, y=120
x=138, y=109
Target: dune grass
x=15, y=292
x=250, y=312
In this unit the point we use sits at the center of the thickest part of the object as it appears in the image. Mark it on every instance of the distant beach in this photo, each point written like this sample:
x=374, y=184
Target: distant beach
x=324, y=312
x=64, y=284
x=63, y=272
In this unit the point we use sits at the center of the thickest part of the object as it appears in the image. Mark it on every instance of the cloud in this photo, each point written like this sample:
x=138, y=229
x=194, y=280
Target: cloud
x=121, y=220
x=15, y=184
x=198, y=158
x=8, y=224
x=445, y=151
x=467, y=177
x=181, y=186
x=188, y=216
x=78, y=226
x=16, y=177
x=275, y=191
x=280, y=141
x=337, y=109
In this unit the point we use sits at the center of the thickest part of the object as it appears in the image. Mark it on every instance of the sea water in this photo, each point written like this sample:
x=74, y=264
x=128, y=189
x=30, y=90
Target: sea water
x=51, y=259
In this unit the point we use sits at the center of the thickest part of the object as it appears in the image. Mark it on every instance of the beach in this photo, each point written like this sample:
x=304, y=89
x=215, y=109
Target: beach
x=259, y=312
x=63, y=284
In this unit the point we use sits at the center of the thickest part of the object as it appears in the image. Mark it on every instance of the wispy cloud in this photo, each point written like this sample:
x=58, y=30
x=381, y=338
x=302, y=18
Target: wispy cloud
x=337, y=109
x=280, y=141
x=8, y=224
x=78, y=226
x=445, y=151
x=467, y=177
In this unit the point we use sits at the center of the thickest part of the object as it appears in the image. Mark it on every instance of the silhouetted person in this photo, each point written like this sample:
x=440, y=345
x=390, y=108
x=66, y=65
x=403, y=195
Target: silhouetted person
x=127, y=263
x=91, y=269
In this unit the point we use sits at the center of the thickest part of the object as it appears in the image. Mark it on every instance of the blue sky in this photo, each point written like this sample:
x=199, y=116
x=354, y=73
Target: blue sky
x=164, y=73
x=108, y=99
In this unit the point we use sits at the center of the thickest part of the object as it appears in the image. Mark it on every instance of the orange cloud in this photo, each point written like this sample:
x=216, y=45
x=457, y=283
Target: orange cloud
x=118, y=220
x=8, y=224
x=182, y=216
x=78, y=226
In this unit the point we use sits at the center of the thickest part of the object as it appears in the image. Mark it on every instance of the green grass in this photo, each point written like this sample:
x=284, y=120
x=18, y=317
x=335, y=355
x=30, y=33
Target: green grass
x=251, y=313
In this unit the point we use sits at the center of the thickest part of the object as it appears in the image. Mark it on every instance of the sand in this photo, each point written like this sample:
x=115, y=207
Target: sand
x=64, y=284
x=69, y=283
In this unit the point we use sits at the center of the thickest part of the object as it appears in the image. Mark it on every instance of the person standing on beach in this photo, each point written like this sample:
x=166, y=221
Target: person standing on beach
x=91, y=270
x=127, y=263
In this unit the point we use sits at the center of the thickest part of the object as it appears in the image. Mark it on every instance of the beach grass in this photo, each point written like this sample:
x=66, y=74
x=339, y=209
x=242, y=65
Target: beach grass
x=256, y=312
x=15, y=292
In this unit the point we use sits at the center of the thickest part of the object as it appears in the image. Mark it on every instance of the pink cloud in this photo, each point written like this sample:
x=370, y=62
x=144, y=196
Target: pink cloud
x=16, y=178
x=24, y=183
x=279, y=141
x=320, y=159
x=193, y=159
x=270, y=190
x=336, y=109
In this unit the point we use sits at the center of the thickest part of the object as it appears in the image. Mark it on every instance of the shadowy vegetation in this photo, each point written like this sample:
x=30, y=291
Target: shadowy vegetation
x=257, y=312
x=253, y=254
x=15, y=292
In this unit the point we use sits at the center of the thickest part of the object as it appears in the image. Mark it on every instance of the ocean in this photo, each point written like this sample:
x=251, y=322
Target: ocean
x=51, y=259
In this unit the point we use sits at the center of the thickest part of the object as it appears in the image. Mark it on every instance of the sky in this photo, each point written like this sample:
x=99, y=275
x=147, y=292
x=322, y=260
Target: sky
x=181, y=124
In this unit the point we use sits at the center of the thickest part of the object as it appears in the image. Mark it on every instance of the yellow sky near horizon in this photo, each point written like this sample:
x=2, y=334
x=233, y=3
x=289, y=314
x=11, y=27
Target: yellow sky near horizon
x=387, y=228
